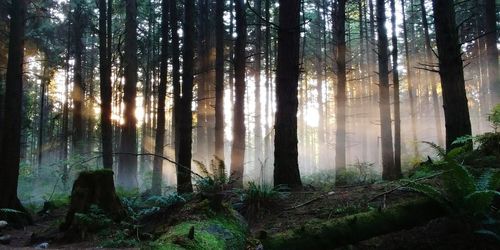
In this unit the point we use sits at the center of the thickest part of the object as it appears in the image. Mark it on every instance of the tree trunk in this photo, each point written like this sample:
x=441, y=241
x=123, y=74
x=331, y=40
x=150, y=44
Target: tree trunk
x=162, y=92
x=219, y=80
x=411, y=89
x=456, y=111
x=11, y=147
x=78, y=81
x=238, y=148
x=430, y=77
x=127, y=167
x=491, y=46
x=286, y=166
x=175, y=72
x=340, y=152
x=185, y=114
x=105, y=88
x=395, y=82
x=258, y=108
x=388, y=170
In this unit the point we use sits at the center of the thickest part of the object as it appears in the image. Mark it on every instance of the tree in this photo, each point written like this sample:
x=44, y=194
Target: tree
x=78, y=80
x=286, y=166
x=219, y=79
x=184, y=116
x=491, y=44
x=388, y=170
x=162, y=92
x=105, y=86
x=238, y=147
x=11, y=141
x=395, y=82
x=175, y=71
x=456, y=111
x=127, y=168
x=257, y=71
x=340, y=158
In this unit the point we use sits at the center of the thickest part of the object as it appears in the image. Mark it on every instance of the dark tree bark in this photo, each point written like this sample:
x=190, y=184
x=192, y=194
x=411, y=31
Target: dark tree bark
x=11, y=141
x=219, y=79
x=431, y=78
x=175, y=71
x=201, y=80
x=78, y=81
x=491, y=45
x=105, y=87
x=162, y=92
x=238, y=147
x=456, y=111
x=185, y=118
x=127, y=167
x=395, y=82
x=257, y=70
x=286, y=166
x=411, y=89
x=388, y=170
x=340, y=139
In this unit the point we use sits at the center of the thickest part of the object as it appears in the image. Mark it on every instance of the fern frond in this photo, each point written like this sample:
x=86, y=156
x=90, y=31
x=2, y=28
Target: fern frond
x=480, y=201
x=428, y=191
x=439, y=150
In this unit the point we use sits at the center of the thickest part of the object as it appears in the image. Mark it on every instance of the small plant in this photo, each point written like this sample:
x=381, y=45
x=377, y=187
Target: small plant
x=257, y=200
x=458, y=190
x=92, y=221
x=215, y=184
x=494, y=118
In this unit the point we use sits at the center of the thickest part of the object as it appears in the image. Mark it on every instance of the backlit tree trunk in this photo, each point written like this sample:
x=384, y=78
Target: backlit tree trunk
x=286, y=166
x=340, y=145
x=219, y=80
x=456, y=111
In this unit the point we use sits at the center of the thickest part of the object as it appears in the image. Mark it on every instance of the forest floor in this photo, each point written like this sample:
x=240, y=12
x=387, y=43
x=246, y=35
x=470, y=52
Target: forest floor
x=298, y=208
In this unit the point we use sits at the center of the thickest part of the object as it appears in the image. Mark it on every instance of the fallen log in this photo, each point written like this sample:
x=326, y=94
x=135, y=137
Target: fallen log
x=350, y=229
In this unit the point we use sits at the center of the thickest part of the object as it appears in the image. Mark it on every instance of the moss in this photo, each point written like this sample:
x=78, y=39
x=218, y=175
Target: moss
x=211, y=231
x=354, y=228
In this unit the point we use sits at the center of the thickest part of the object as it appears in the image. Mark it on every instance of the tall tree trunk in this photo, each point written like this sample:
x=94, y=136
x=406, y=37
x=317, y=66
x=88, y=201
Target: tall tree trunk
x=456, y=111
x=411, y=89
x=395, y=82
x=238, y=148
x=202, y=80
x=491, y=45
x=267, y=55
x=258, y=108
x=41, y=120
x=388, y=170
x=162, y=92
x=175, y=72
x=430, y=77
x=185, y=114
x=127, y=168
x=340, y=152
x=11, y=141
x=286, y=166
x=219, y=79
x=105, y=88
x=78, y=82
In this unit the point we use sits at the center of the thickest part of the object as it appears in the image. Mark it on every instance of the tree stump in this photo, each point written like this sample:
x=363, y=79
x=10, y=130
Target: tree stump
x=94, y=187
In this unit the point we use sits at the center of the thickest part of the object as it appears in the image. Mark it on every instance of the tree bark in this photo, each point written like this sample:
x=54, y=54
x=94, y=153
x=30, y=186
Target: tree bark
x=185, y=114
x=340, y=139
x=395, y=82
x=219, y=80
x=11, y=141
x=105, y=87
x=456, y=111
x=388, y=170
x=238, y=147
x=491, y=45
x=286, y=166
x=162, y=92
x=78, y=81
x=127, y=167
x=175, y=72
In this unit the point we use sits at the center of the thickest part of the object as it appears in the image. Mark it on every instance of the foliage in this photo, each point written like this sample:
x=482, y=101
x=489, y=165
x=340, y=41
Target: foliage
x=257, y=200
x=215, y=185
x=494, y=117
x=461, y=191
x=358, y=173
x=92, y=221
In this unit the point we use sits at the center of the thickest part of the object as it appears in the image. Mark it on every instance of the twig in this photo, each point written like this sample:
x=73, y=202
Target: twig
x=310, y=201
